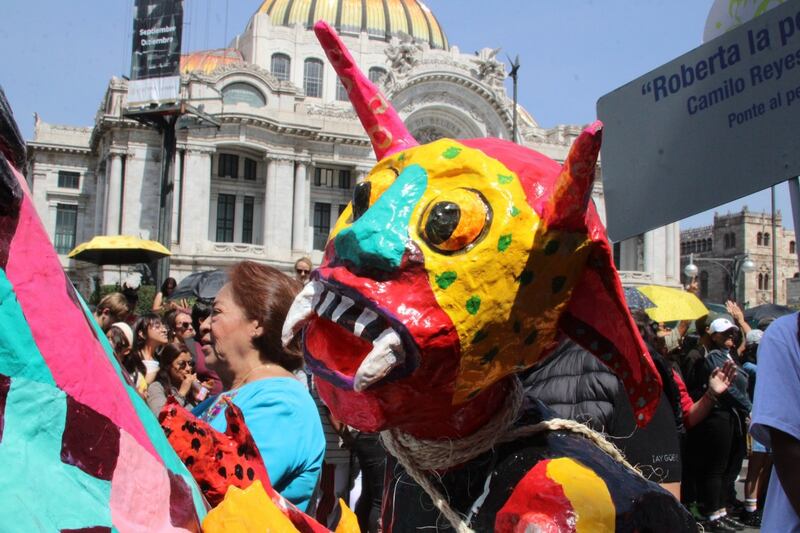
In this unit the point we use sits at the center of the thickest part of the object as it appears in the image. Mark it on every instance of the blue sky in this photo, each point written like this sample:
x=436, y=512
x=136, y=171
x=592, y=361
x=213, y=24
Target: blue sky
x=58, y=56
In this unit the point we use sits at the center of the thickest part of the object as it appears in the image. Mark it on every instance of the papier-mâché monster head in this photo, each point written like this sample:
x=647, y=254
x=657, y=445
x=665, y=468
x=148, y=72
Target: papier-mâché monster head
x=457, y=264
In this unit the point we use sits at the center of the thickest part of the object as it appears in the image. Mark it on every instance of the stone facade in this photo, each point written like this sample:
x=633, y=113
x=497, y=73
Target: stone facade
x=733, y=235
x=270, y=181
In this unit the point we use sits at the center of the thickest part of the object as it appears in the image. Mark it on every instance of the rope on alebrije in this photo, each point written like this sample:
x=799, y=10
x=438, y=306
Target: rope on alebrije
x=419, y=456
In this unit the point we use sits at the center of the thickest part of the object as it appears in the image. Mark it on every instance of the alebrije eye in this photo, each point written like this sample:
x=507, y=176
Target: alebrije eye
x=455, y=220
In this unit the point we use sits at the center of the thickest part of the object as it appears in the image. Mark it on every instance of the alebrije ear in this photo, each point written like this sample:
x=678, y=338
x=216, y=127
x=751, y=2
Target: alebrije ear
x=381, y=122
x=567, y=206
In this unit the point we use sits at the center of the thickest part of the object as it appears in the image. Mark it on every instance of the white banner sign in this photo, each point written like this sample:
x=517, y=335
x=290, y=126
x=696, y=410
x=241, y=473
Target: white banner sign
x=711, y=126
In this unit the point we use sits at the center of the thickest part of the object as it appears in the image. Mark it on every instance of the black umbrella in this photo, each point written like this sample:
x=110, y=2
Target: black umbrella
x=201, y=285
x=760, y=312
x=636, y=300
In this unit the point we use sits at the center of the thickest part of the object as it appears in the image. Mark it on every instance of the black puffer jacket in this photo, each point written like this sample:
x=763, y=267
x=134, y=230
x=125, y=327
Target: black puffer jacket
x=576, y=385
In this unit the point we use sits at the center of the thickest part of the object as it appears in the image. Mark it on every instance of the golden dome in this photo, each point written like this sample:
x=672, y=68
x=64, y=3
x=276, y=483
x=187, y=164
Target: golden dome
x=381, y=19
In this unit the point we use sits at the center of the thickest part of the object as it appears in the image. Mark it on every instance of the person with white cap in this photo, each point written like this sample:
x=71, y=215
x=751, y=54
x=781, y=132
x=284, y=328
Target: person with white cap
x=717, y=443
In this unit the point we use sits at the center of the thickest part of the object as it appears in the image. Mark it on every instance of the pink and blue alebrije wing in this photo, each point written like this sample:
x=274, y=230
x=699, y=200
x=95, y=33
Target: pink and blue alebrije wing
x=79, y=450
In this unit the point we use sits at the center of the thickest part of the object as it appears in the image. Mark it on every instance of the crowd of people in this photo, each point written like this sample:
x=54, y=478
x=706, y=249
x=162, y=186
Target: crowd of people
x=230, y=348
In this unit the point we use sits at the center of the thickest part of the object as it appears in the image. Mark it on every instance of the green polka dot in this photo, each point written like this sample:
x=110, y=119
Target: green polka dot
x=526, y=277
x=504, y=242
x=473, y=304
x=479, y=336
x=514, y=211
x=531, y=338
x=558, y=283
x=445, y=279
x=402, y=157
x=451, y=152
x=504, y=179
x=551, y=247
x=490, y=355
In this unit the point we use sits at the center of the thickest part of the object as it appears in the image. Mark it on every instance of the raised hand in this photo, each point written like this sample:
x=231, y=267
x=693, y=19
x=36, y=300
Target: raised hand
x=721, y=378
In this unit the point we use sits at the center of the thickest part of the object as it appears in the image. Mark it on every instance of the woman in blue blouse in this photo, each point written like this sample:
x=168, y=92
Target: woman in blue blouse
x=244, y=329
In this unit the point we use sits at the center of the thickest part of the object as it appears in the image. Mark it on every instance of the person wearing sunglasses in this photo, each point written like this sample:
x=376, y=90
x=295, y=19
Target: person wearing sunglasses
x=180, y=326
x=302, y=269
x=176, y=377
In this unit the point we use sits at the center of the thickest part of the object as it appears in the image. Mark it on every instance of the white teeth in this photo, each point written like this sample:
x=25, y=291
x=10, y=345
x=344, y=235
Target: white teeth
x=301, y=310
x=343, y=306
x=364, y=320
x=329, y=298
x=387, y=353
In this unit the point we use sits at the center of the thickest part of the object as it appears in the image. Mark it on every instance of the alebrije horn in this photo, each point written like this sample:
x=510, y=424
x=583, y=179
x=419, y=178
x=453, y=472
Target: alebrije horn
x=381, y=122
x=567, y=206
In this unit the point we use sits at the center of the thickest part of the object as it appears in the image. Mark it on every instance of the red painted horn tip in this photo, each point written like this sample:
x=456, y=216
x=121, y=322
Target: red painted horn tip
x=594, y=128
x=321, y=26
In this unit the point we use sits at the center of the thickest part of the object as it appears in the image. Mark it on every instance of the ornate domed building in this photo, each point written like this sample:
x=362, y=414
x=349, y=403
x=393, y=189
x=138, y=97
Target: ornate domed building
x=267, y=176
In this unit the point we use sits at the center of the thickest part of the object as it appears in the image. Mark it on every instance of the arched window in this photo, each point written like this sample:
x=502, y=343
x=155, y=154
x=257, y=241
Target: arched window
x=766, y=282
x=759, y=238
x=766, y=239
x=312, y=78
x=733, y=240
x=377, y=75
x=760, y=281
x=704, y=284
x=280, y=66
x=243, y=93
x=792, y=247
x=710, y=244
x=727, y=240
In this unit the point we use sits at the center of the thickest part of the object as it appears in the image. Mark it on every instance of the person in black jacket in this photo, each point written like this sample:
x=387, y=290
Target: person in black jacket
x=577, y=386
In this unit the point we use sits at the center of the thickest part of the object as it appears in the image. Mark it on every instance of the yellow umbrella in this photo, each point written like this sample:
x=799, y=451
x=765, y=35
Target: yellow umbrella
x=119, y=250
x=672, y=304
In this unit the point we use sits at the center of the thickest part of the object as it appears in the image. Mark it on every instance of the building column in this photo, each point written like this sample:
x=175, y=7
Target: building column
x=99, y=202
x=648, y=252
x=113, y=208
x=270, y=205
x=300, y=207
x=196, y=200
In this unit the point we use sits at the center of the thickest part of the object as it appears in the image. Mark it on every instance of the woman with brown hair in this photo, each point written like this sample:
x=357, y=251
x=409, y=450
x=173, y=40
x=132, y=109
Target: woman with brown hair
x=256, y=370
x=175, y=378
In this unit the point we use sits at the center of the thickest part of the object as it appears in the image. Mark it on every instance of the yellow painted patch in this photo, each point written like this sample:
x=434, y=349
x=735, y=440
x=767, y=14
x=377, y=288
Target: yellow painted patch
x=348, y=523
x=242, y=511
x=587, y=493
x=508, y=277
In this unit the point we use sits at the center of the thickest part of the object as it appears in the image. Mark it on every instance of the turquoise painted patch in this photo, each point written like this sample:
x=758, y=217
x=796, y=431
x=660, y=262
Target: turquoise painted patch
x=19, y=354
x=42, y=492
x=378, y=239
